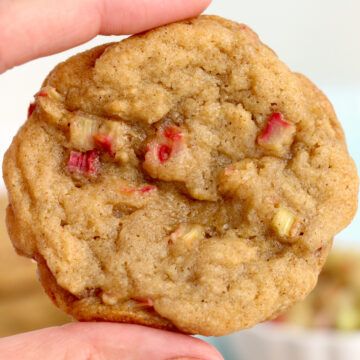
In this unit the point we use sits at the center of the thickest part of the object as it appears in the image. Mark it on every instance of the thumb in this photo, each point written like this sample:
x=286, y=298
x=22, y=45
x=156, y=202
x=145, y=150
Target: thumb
x=83, y=341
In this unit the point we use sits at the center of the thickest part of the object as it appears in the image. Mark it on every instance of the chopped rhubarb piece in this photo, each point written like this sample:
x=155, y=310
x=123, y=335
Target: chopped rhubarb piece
x=164, y=152
x=93, y=162
x=173, y=133
x=76, y=161
x=187, y=234
x=31, y=108
x=82, y=130
x=275, y=124
x=127, y=190
x=144, y=302
x=32, y=105
x=143, y=190
x=109, y=299
x=87, y=163
x=186, y=237
x=277, y=134
x=168, y=142
x=147, y=188
x=104, y=142
x=283, y=222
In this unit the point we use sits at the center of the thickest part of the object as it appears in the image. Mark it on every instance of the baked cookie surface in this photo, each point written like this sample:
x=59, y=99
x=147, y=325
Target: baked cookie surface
x=23, y=304
x=184, y=178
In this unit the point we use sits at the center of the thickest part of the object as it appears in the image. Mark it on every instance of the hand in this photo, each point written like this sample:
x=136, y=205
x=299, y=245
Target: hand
x=104, y=341
x=34, y=28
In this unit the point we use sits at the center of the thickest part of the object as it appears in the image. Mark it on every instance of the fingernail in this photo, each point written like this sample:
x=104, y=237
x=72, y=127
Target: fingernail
x=184, y=358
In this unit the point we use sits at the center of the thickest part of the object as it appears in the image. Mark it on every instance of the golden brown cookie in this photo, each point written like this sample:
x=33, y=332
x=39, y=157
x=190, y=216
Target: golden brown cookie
x=23, y=304
x=184, y=178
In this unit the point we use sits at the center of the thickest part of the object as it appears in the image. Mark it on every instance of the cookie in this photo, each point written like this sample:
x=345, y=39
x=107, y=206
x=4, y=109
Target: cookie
x=23, y=303
x=183, y=178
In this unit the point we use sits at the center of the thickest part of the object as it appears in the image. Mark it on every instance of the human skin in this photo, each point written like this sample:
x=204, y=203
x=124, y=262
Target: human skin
x=104, y=341
x=35, y=28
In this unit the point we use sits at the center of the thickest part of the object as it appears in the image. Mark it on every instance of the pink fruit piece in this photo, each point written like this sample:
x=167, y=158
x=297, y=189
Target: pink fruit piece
x=84, y=163
x=164, y=152
x=104, y=142
x=277, y=135
x=41, y=94
x=127, y=190
x=144, y=302
x=147, y=188
x=143, y=190
x=32, y=105
x=275, y=124
x=173, y=133
x=31, y=108
x=166, y=144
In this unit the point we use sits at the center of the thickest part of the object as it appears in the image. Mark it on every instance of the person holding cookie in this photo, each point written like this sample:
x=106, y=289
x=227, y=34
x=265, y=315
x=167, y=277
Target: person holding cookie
x=183, y=179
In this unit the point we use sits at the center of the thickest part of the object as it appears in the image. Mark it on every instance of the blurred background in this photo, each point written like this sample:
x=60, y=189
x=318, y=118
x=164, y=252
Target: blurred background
x=318, y=38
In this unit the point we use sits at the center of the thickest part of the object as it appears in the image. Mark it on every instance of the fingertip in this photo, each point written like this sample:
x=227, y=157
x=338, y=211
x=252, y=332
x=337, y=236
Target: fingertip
x=32, y=29
x=107, y=339
x=133, y=16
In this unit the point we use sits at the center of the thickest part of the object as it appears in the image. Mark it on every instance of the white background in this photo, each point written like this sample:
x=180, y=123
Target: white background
x=317, y=37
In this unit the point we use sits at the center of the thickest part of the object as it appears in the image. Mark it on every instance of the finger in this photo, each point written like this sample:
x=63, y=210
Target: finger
x=34, y=28
x=132, y=16
x=82, y=341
